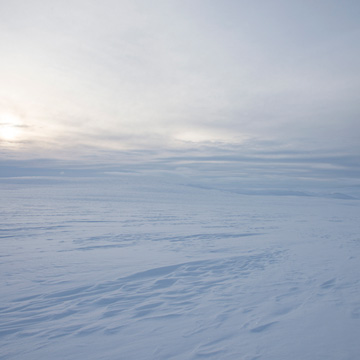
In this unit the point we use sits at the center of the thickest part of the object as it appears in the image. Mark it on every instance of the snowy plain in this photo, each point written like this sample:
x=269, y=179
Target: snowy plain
x=127, y=267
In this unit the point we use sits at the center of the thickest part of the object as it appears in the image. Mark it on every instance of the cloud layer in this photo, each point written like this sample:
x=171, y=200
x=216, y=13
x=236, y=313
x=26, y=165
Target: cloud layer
x=92, y=81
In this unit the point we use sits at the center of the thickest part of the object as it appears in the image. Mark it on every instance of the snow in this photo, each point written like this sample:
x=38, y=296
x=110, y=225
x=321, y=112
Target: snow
x=130, y=267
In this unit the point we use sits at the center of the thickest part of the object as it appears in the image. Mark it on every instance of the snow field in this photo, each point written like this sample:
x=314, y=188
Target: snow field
x=137, y=269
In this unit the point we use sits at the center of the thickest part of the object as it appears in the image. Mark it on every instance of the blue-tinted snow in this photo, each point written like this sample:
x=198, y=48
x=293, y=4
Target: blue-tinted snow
x=140, y=268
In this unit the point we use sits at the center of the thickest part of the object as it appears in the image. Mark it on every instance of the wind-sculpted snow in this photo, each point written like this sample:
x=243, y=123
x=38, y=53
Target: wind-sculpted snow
x=134, y=269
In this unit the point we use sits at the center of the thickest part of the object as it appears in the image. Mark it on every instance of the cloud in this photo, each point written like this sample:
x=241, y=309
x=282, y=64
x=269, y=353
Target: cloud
x=136, y=82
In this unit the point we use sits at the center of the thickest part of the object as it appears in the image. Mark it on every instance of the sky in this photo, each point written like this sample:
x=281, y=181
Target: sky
x=227, y=87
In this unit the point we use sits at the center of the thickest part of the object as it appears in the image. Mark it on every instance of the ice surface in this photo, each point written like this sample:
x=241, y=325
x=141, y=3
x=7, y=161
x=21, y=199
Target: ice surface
x=139, y=268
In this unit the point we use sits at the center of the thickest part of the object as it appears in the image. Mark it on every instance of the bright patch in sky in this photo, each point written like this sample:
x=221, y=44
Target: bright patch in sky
x=10, y=127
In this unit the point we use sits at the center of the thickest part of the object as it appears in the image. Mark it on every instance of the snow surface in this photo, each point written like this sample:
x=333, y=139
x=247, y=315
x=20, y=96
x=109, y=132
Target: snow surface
x=134, y=268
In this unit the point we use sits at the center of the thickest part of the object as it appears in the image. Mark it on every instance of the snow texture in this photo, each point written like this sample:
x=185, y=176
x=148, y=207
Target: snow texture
x=134, y=268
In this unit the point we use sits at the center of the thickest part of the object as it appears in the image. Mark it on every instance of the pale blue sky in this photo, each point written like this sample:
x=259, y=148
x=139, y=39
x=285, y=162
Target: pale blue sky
x=130, y=82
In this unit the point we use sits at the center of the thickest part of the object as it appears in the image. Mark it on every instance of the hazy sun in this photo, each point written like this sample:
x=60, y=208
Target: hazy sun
x=10, y=127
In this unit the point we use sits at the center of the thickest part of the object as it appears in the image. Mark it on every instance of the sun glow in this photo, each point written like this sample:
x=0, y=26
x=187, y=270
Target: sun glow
x=10, y=127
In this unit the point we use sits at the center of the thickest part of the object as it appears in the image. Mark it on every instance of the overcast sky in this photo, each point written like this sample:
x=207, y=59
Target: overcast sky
x=111, y=81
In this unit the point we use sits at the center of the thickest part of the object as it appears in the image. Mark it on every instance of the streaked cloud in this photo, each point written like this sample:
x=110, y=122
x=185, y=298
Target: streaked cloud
x=102, y=82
